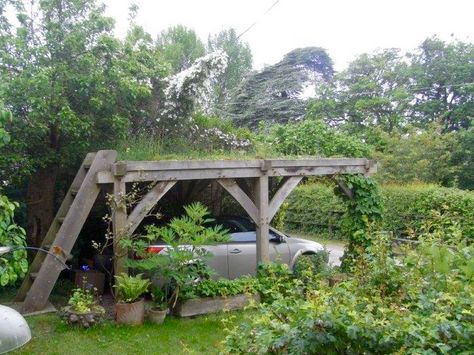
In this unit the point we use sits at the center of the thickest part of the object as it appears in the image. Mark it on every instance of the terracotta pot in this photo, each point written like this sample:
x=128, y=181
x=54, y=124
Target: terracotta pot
x=130, y=313
x=157, y=316
x=90, y=279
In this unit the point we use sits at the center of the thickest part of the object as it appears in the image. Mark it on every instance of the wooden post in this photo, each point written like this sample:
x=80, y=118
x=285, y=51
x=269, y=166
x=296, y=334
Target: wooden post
x=119, y=224
x=261, y=201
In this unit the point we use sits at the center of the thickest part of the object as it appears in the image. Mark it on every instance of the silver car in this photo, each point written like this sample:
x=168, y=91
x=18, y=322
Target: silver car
x=238, y=256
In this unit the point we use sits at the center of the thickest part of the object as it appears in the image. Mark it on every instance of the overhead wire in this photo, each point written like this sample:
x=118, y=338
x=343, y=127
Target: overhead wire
x=253, y=24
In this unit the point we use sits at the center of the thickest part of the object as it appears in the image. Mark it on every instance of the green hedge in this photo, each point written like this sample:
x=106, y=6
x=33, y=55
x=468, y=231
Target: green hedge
x=313, y=208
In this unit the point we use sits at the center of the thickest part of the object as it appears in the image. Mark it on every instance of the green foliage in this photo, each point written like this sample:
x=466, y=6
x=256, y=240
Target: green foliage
x=180, y=47
x=371, y=92
x=421, y=156
x=182, y=262
x=83, y=301
x=390, y=91
x=220, y=287
x=238, y=66
x=442, y=75
x=276, y=280
x=364, y=213
x=70, y=84
x=421, y=303
x=14, y=265
x=274, y=95
x=130, y=288
x=314, y=208
x=313, y=137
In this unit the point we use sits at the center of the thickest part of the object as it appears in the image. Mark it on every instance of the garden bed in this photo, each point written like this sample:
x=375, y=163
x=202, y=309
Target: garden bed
x=198, y=306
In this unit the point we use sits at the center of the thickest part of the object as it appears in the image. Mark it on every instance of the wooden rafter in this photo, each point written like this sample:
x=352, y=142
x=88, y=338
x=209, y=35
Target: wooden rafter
x=281, y=194
x=146, y=205
x=241, y=197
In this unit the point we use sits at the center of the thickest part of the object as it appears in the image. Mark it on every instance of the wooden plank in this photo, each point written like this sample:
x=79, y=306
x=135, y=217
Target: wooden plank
x=266, y=164
x=263, y=223
x=281, y=194
x=191, y=165
x=106, y=177
x=119, y=225
x=146, y=204
x=241, y=197
x=54, y=227
x=66, y=237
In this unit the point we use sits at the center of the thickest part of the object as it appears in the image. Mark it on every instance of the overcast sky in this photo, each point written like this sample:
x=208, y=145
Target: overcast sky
x=344, y=28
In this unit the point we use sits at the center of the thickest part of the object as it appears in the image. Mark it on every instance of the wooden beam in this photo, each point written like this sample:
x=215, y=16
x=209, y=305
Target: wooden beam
x=66, y=237
x=106, y=177
x=281, y=194
x=146, y=204
x=263, y=223
x=119, y=225
x=241, y=197
x=55, y=225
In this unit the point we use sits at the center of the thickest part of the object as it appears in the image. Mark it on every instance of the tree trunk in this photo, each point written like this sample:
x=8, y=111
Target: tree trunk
x=40, y=204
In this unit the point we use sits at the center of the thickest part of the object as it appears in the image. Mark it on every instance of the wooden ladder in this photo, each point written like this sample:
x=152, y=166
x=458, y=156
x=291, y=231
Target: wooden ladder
x=63, y=232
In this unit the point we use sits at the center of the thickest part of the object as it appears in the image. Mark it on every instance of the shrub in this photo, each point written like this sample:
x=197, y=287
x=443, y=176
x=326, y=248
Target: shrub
x=313, y=208
x=221, y=287
x=421, y=303
x=130, y=288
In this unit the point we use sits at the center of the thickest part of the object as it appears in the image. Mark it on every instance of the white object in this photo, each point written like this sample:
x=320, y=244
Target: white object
x=14, y=331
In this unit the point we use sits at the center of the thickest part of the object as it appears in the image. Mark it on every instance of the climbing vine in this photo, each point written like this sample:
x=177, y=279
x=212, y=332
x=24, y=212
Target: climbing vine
x=364, y=212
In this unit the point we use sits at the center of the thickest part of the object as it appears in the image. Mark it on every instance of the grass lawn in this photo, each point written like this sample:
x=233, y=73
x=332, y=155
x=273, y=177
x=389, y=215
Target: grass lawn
x=201, y=335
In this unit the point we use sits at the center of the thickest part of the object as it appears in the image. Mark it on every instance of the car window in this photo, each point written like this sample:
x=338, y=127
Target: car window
x=243, y=237
x=249, y=237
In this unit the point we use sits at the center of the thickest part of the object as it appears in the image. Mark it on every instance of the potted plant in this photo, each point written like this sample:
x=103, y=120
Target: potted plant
x=88, y=278
x=157, y=313
x=83, y=309
x=130, y=309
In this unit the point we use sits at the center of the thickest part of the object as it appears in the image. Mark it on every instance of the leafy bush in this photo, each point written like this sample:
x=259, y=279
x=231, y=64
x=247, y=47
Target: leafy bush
x=221, y=287
x=313, y=208
x=313, y=137
x=420, y=303
x=83, y=301
x=14, y=265
x=182, y=262
x=130, y=288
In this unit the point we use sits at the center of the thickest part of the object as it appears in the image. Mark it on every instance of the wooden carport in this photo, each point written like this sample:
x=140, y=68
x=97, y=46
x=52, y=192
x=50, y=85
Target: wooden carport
x=246, y=180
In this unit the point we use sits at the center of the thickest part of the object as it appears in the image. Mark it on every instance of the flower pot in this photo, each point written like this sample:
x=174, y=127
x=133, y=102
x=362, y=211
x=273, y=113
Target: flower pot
x=130, y=313
x=156, y=315
x=90, y=279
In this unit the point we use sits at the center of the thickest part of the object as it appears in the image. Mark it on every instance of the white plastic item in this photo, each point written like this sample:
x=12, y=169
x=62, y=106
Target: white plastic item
x=14, y=331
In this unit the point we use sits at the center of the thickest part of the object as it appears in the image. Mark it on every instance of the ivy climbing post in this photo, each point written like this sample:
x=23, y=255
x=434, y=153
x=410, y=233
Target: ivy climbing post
x=364, y=212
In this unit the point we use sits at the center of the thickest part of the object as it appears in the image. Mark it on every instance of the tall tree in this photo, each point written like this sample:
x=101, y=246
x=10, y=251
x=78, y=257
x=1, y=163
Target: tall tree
x=239, y=62
x=443, y=77
x=275, y=94
x=372, y=91
x=72, y=88
x=180, y=47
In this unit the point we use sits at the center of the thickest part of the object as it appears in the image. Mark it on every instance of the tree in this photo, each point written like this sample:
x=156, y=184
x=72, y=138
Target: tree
x=72, y=88
x=371, y=92
x=275, y=94
x=443, y=76
x=419, y=156
x=239, y=62
x=180, y=47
